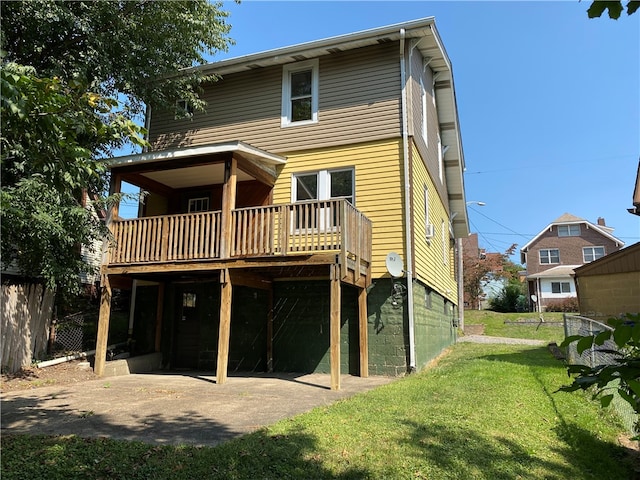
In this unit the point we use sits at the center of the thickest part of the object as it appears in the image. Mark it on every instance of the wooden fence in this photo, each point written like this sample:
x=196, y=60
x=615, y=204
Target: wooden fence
x=25, y=323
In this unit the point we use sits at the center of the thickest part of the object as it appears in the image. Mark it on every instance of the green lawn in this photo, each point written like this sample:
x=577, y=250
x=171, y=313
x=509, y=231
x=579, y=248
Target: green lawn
x=551, y=330
x=481, y=412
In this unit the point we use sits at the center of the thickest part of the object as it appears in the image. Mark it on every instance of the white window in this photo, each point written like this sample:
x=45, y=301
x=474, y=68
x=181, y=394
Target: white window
x=568, y=230
x=440, y=159
x=590, y=254
x=183, y=110
x=322, y=185
x=549, y=255
x=445, y=244
x=423, y=93
x=560, y=287
x=200, y=204
x=300, y=93
x=428, y=226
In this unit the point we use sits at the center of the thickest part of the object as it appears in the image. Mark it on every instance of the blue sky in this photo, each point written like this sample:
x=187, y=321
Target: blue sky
x=548, y=100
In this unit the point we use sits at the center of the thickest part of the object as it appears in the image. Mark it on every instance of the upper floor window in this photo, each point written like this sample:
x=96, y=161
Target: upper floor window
x=183, y=110
x=568, y=230
x=445, y=246
x=423, y=94
x=440, y=159
x=300, y=93
x=560, y=287
x=550, y=255
x=592, y=253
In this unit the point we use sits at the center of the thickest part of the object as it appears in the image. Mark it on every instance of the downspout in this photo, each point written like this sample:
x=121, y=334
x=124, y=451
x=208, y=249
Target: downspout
x=407, y=206
x=147, y=125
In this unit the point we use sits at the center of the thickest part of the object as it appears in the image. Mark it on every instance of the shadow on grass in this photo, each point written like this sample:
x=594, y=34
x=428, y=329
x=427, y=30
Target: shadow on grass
x=532, y=357
x=465, y=453
x=258, y=455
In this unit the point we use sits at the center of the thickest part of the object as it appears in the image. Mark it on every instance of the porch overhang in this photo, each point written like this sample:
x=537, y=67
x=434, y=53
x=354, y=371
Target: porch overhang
x=186, y=166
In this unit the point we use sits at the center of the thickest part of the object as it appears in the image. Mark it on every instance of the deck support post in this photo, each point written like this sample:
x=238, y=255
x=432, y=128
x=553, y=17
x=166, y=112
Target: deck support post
x=334, y=326
x=363, y=333
x=103, y=327
x=225, y=327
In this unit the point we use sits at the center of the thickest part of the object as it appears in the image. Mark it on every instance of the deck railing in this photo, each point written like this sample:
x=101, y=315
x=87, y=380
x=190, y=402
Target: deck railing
x=306, y=227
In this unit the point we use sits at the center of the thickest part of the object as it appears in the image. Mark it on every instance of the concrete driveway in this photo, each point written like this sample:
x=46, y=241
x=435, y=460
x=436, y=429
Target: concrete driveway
x=186, y=408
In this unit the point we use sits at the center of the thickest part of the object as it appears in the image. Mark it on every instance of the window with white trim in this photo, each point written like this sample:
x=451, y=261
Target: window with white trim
x=200, y=204
x=300, y=93
x=440, y=159
x=549, y=256
x=428, y=227
x=445, y=244
x=323, y=185
x=183, y=110
x=568, y=230
x=560, y=287
x=589, y=254
x=423, y=94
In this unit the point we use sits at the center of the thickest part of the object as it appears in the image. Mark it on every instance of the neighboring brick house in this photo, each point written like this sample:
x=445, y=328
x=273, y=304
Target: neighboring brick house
x=553, y=254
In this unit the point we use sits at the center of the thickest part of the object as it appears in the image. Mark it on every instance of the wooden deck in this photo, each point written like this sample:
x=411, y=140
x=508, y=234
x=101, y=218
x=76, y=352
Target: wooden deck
x=275, y=234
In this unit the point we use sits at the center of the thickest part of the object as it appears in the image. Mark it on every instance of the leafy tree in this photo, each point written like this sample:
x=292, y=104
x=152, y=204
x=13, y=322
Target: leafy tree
x=130, y=48
x=615, y=8
x=50, y=133
x=64, y=65
x=478, y=269
x=620, y=377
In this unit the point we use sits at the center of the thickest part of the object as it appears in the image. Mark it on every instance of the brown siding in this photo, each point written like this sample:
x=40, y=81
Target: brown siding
x=428, y=147
x=570, y=248
x=359, y=101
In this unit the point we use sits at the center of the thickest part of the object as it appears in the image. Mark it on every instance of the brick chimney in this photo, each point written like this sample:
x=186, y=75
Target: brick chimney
x=601, y=222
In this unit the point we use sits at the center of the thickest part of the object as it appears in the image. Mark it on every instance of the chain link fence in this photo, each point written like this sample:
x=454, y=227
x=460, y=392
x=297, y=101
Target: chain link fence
x=67, y=335
x=597, y=355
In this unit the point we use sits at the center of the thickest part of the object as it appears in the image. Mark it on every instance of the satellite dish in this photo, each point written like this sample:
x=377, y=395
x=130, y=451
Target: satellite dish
x=394, y=264
x=534, y=298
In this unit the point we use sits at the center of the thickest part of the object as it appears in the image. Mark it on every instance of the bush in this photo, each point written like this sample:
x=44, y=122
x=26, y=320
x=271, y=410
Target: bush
x=507, y=300
x=564, y=305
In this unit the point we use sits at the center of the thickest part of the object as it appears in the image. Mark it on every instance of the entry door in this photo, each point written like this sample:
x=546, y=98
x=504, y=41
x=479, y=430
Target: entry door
x=187, y=333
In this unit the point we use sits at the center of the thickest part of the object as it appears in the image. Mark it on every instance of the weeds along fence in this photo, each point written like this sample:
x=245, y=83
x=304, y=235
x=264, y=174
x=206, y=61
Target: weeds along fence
x=597, y=355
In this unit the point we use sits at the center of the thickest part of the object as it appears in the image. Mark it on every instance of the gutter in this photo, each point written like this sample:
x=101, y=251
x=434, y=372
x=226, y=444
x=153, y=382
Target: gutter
x=407, y=206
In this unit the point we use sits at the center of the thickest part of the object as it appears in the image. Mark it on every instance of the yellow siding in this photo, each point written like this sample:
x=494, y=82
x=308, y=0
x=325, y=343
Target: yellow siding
x=429, y=259
x=378, y=189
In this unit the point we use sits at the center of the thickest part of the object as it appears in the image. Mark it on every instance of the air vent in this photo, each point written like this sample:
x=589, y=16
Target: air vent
x=429, y=229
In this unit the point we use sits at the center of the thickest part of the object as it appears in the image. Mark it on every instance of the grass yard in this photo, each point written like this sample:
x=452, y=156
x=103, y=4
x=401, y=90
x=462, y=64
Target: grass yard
x=551, y=330
x=480, y=412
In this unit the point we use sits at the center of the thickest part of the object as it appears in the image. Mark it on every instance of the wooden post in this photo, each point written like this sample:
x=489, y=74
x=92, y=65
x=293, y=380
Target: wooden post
x=159, y=314
x=225, y=327
x=363, y=333
x=103, y=327
x=334, y=327
x=228, y=204
x=270, y=331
